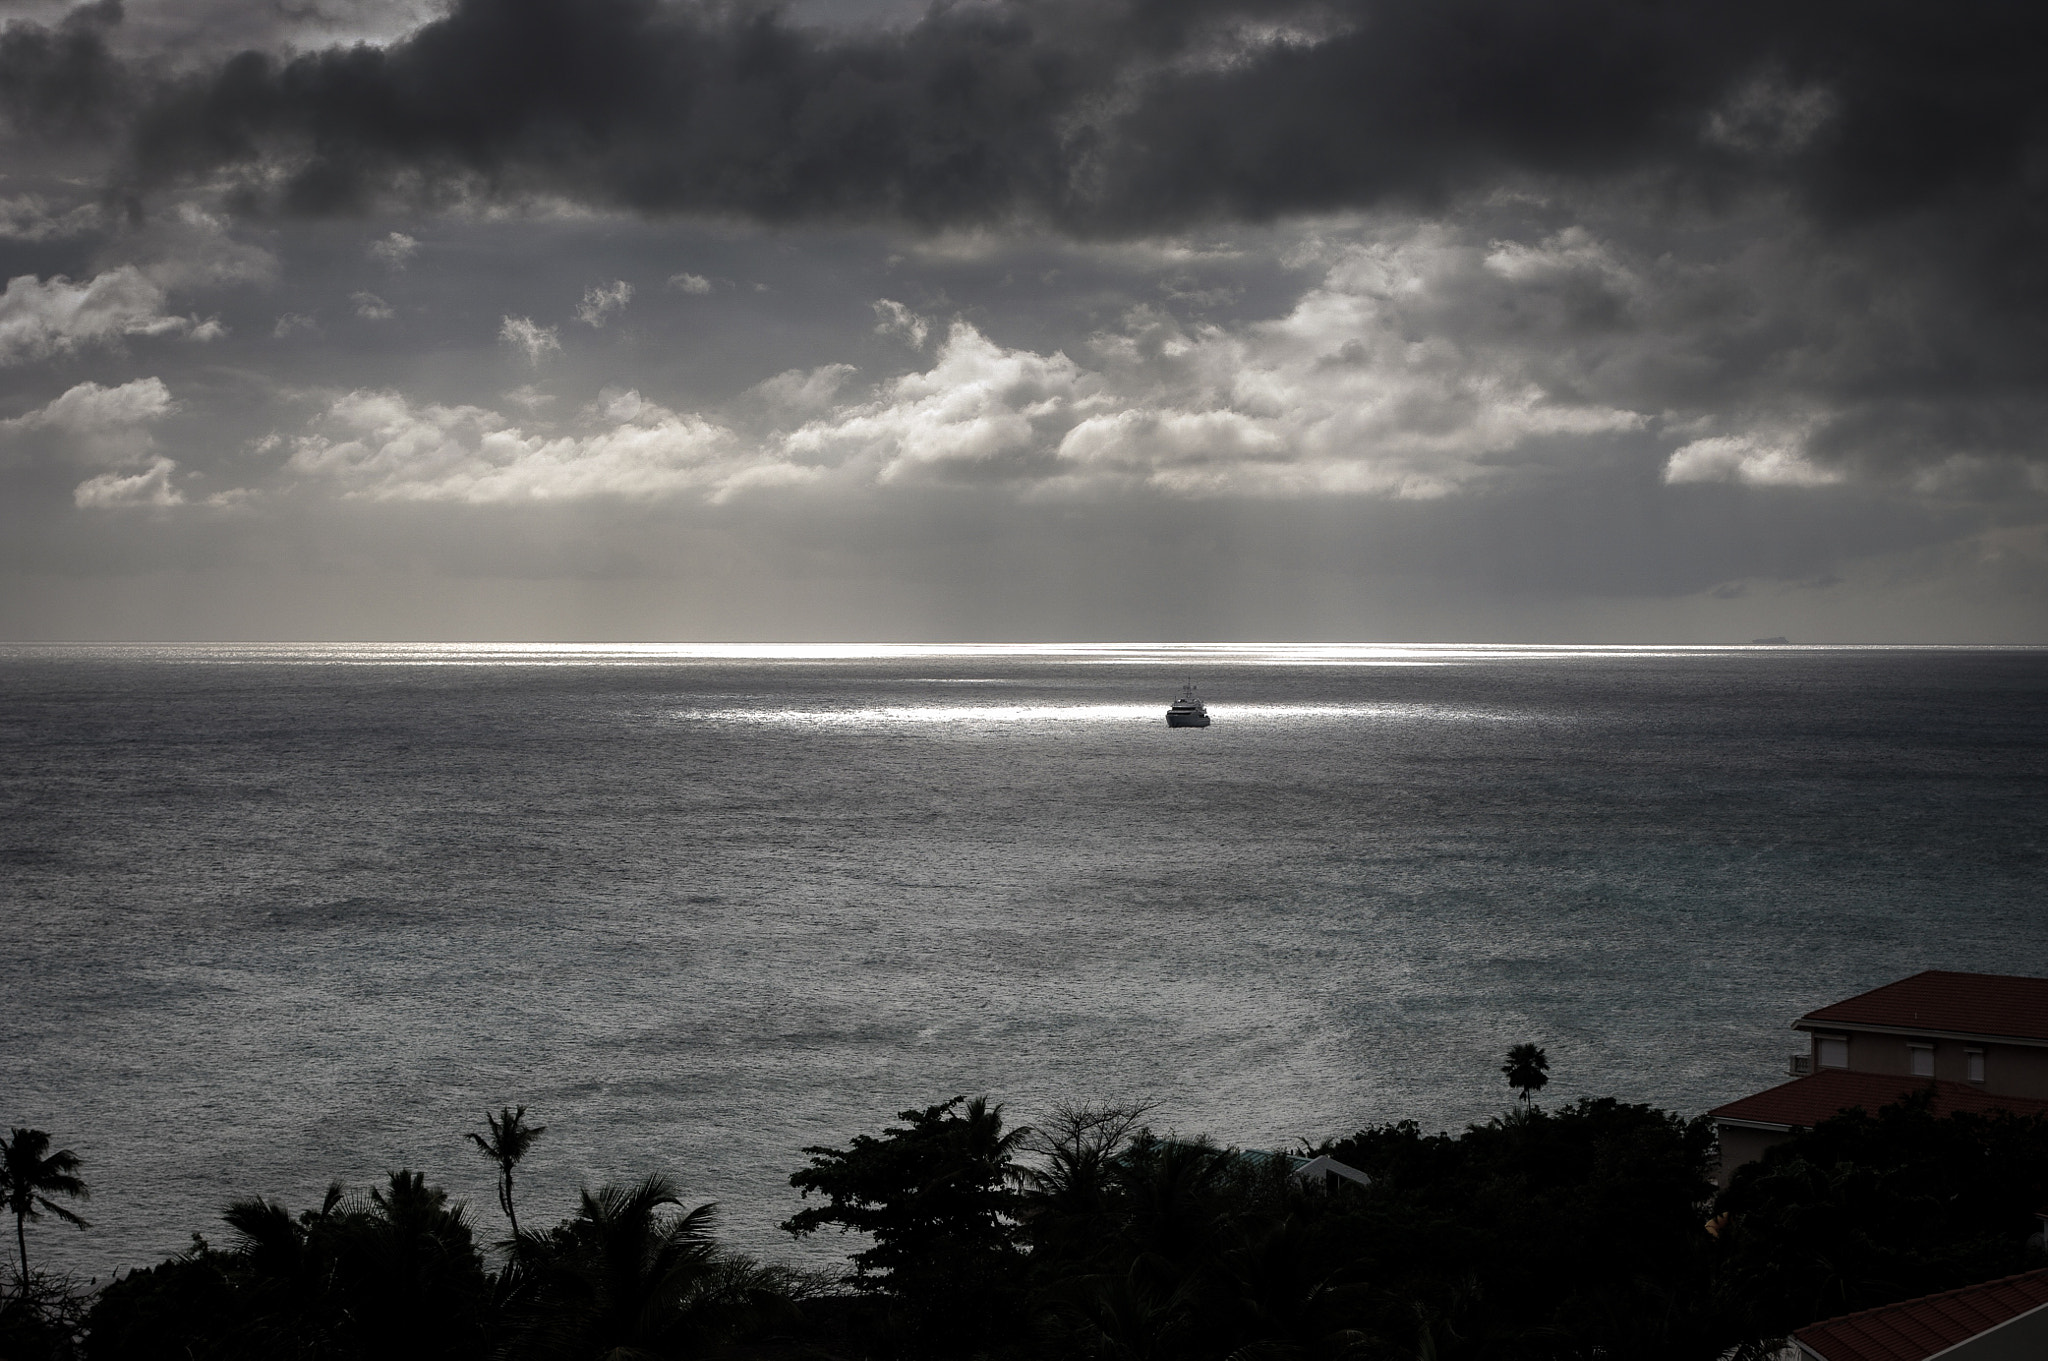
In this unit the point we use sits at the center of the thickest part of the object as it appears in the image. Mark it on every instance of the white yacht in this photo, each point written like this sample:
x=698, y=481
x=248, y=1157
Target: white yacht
x=1188, y=711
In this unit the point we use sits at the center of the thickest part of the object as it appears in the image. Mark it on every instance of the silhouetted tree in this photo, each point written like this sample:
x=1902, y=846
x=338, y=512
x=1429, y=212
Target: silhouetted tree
x=1568, y=1233
x=508, y=1142
x=1073, y=1189
x=179, y=1309
x=29, y=1175
x=414, y=1280
x=1539, y=1235
x=1527, y=1070
x=1864, y=1210
x=279, y=1269
x=394, y=1275
x=43, y=1317
x=633, y=1274
x=937, y=1194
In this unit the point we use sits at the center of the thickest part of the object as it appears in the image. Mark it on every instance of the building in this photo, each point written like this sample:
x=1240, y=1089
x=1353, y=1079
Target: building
x=1979, y=1041
x=2005, y=1320
x=1988, y=1030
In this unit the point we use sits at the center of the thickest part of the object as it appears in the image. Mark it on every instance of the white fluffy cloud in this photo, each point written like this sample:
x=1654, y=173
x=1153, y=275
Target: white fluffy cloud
x=379, y=446
x=1360, y=388
x=1347, y=393
x=797, y=395
x=601, y=303
x=99, y=424
x=113, y=491
x=1420, y=363
x=181, y=249
x=529, y=338
x=980, y=408
x=90, y=407
x=1755, y=459
x=394, y=251
x=40, y=318
x=1573, y=252
x=94, y=424
x=892, y=318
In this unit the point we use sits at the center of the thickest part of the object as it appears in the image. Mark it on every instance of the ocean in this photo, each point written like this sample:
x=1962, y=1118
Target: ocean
x=271, y=916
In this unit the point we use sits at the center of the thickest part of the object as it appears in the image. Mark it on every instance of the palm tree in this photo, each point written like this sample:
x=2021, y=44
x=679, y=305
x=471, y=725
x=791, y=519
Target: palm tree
x=1527, y=1070
x=631, y=1275
x=509, y=1140
x=30, y=1174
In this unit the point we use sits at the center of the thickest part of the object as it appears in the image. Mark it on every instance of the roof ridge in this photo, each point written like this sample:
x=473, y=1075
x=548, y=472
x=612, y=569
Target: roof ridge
x=1851, y=1089
x=1946, y=1001
x=1904, y=1081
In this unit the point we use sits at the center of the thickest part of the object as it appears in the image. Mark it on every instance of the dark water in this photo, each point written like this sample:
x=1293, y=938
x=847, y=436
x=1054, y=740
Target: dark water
x=275, y=916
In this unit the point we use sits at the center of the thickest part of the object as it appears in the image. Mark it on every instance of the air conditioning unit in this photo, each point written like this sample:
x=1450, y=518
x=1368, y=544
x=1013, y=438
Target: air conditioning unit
x=1800, y=1065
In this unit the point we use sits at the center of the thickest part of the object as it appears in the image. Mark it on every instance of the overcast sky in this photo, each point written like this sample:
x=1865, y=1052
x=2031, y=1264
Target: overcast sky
x=1565, y=320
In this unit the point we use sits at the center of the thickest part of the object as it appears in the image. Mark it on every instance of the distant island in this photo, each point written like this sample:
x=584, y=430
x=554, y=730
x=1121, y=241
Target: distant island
x=1770, y=640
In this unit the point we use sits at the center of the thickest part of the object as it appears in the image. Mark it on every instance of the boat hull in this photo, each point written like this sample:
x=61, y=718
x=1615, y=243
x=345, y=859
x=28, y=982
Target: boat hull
x=1176, y=719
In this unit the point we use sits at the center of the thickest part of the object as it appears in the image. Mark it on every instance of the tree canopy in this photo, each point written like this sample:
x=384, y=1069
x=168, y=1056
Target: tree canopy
x=1539, y=1235
x=1527, y=1070
x=29, y=1175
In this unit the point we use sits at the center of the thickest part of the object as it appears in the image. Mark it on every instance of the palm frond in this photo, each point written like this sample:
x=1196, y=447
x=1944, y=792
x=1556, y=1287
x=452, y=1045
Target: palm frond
x=58, y=1210
x=262, y=1224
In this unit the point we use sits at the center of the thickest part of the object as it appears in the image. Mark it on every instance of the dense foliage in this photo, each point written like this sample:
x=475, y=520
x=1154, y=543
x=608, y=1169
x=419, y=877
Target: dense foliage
x=936, y=1195
x=395, y=1274
x=1866, y=1209
x=1591, y=1230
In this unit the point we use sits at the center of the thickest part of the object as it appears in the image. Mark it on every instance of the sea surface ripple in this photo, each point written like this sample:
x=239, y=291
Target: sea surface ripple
x=275, y=915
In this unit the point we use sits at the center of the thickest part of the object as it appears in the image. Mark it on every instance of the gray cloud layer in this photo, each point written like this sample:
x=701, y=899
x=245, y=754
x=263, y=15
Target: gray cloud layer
x=1098, y=115
x=1616, y=298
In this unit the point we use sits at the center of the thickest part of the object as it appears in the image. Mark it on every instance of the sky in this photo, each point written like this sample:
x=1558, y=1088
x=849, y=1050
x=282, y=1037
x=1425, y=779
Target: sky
x=1600, y=321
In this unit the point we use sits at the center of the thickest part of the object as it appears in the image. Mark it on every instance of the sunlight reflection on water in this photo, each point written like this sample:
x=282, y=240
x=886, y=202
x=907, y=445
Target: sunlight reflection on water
x=900, y=715
x=1077, y=654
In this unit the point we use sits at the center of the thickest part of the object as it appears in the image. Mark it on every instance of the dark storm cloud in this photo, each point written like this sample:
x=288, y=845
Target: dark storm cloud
x=1103, y=115
x=62, y=81
x=632, y=104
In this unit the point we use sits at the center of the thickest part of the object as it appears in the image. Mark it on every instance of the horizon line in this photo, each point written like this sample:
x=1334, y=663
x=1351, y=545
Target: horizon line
x=771, y=647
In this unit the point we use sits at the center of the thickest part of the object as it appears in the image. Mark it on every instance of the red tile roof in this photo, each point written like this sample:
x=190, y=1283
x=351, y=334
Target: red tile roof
x=1985, y=1004
x=1806, y=1101
x=1916, y=1329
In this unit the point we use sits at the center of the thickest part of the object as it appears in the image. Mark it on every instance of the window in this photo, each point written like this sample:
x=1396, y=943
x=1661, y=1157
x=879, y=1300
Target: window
x=1923, y=1059
x=1973, y=1064
x=1832, y=1051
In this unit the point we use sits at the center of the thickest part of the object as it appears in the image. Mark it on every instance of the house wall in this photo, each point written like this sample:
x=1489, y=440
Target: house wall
x=2012, y=1070
x=1740, y=1145
x=2009, y=1069
x=1877, y=1054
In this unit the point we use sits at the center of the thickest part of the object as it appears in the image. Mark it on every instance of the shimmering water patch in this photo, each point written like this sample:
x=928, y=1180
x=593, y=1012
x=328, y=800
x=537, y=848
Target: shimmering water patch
x=279, y=915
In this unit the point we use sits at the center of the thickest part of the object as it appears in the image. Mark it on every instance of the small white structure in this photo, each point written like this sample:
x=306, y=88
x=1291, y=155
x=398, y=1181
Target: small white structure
x=1323, y=1167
